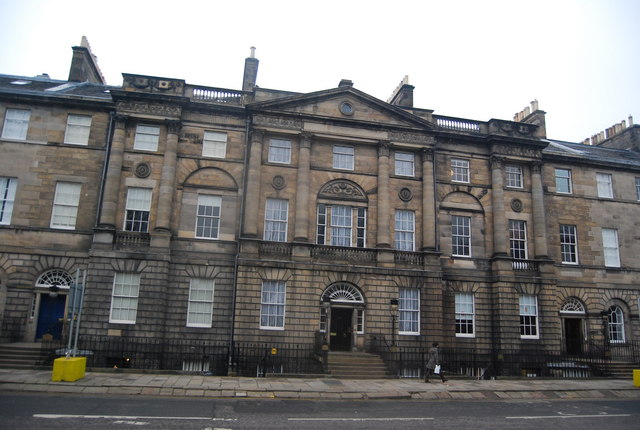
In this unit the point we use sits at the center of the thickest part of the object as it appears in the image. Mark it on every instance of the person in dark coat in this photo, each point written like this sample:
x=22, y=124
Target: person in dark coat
x=434, y=360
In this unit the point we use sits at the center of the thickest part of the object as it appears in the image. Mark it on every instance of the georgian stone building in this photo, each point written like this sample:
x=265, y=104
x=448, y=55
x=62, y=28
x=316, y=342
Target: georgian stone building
x=260, y=215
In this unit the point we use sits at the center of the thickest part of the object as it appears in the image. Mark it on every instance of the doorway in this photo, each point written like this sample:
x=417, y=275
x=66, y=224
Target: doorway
x=340, y=333
x=50, y=316
x=573, y=335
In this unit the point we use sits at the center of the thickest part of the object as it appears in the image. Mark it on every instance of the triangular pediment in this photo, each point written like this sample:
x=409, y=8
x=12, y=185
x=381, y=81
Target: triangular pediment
x=340, y=105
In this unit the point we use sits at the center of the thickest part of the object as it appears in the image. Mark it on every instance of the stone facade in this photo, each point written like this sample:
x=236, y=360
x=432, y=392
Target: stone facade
x=270, y=216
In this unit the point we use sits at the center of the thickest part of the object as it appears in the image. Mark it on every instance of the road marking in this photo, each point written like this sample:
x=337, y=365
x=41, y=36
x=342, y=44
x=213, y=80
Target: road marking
x=360, y=419
x=125, y=417
x=546, y=417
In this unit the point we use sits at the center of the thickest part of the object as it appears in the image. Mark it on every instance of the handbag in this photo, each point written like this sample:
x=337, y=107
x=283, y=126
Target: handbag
x=437, y=369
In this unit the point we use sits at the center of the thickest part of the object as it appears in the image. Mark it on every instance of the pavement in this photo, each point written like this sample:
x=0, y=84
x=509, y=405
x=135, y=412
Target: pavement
x=326, y=388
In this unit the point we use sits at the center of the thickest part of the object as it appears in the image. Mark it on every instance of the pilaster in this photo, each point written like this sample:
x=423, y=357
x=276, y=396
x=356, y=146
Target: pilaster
x=428, y=202
x=539, y=221
x=384, y=204
x=107, y=224
x=301, y=228
x=168, y=178
x=252, y=201
x=497, y=200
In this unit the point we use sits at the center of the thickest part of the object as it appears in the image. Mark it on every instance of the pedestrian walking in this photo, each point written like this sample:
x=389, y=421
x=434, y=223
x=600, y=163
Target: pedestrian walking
x=433, y=364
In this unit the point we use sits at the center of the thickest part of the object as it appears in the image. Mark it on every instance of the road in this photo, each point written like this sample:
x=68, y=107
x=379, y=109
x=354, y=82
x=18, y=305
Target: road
x=47, y=411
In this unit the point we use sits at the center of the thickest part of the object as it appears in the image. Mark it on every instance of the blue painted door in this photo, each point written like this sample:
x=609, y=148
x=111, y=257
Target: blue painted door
x=50, y=316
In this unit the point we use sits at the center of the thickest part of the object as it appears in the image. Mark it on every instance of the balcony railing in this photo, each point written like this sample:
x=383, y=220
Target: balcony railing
x=458, y=124
x=350, y=255
x=275, y=248
x=525, y=266
x=217, y=95
x=408, y=258
x=130, y=239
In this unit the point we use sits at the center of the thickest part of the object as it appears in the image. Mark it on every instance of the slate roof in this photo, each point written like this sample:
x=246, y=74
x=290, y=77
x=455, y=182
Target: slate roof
x=589, y=153
x=45, y=86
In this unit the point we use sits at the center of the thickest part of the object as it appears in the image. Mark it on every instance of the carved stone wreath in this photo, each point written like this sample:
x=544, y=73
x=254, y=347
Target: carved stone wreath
x=516, y=205
x=341, y=189
x=142, y=170
x=405, y=194
x=278, y=182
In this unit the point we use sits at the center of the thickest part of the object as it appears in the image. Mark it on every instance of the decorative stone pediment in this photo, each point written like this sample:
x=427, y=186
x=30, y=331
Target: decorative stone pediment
x=211, y=177
x=342, y=107
x=342, y=189
x=461, y=200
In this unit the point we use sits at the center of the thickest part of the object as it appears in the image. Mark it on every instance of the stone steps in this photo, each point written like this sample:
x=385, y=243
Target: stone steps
x=357, y=365
x=621, y=370
x=24, y=356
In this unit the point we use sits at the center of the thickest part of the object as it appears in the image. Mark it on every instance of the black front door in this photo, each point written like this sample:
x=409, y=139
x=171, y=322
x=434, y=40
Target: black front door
x=341, y=329
x=573, y=335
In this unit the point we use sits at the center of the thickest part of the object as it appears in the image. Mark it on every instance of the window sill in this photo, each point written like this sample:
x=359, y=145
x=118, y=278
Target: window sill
x=272, y=328
x=13, y=140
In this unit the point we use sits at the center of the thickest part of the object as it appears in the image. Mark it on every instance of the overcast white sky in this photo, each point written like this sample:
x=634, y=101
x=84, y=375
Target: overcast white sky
x=470, y=59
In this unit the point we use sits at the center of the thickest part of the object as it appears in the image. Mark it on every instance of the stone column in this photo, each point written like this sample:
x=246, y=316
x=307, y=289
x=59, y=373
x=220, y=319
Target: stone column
x=252, y=201
x=497, y=201
x=114, y=173
x=168, y=178
x=429, y=211
x=384, y=206
x=539, y=220
x=301, y=233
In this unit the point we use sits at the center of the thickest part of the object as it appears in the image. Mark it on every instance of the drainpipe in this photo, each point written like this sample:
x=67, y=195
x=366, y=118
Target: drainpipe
x=435, y=198
x=105, y=166
x=245, y=175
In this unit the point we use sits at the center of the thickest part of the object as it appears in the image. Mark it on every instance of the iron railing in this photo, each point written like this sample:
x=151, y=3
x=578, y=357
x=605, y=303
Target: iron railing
x=594, y=360
x=214, y=358
x=263, y=359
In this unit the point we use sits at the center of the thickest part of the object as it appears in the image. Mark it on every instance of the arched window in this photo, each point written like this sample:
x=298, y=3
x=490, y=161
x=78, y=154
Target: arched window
x=616, y=324
x=345, y=294
x=342, y=292
x=342, y=214
x=572, y=306
x=56, y=277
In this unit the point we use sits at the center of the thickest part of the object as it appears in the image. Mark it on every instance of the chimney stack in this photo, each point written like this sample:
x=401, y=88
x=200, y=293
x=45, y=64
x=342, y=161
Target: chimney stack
x=84, y=65
x=250, y=71
x=533, y=115
x=403, y=94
